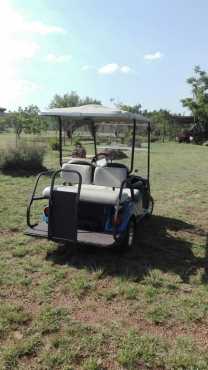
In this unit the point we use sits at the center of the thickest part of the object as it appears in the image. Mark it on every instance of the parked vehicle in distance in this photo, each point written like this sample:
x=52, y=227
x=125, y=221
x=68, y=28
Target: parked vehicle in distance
x=197, y=134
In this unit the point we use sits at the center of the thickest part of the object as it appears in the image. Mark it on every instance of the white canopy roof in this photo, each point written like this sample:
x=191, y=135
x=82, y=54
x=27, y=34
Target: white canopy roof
x=95, y=112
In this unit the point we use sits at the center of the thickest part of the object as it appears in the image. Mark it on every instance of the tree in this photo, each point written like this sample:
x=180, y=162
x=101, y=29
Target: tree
x=137, y=108
x=129, y=108
x=3, y=124
x=33, y=124
x=70, y=100
x=88, y=100
x=161, y=120
x=198, y=103
x=66, y=100
x=162, y=124
x=16, y=121
x=26, y=120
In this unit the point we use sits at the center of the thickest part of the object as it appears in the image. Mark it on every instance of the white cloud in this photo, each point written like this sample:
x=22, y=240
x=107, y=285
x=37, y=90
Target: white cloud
x=14, y=22
x=125, y=69
x=111, y=68
x=17, y=45
x=86, y=67
x=108, y=69
x=41, y=28
x=153, y=56
x=26, y=85
x=18, y=50
x=53, y=58
x=15, y=89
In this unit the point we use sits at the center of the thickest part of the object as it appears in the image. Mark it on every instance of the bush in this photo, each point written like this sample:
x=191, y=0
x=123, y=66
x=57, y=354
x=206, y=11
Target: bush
x=154, y=138
x=22, y=158
x=115, y=154
x=137, y=143
x=54, y=144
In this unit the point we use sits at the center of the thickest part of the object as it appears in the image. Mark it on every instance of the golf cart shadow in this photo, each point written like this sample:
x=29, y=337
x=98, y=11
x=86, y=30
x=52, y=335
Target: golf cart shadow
x=160, y=244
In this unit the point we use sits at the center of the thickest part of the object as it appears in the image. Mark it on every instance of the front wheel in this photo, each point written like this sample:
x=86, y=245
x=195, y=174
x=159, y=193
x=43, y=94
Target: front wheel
x=127, y=240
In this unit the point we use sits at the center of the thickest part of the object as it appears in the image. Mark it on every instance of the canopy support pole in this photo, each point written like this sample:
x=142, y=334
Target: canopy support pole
x=60, y=142
x=133, y=145
x=94, y=137
x=148, y=157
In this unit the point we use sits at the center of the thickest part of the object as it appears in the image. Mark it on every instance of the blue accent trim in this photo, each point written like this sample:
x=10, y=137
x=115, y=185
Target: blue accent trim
x=45, y=218
x=127, y=211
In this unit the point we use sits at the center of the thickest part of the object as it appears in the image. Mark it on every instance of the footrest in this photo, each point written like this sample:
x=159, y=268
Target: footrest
x=41, y=230
x=83, y=236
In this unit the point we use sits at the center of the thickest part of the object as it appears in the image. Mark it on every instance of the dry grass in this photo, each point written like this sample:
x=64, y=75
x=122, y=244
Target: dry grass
x=88, y=308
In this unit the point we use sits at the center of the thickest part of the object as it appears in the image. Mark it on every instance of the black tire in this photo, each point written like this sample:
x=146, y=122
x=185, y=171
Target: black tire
x=127, y=240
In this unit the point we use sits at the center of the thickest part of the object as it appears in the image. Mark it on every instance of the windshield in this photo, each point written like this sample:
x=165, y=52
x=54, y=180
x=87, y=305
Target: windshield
x=113, y=142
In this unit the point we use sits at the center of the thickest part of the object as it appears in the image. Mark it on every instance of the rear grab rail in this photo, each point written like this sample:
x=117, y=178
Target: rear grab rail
x=33, y=197
x=53, y=175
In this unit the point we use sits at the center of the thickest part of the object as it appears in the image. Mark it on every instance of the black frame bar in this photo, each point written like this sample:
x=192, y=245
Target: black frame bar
x=33, y=197
x=133, y=145
x=94, y=137
x=60, y=142
x=68, y=171
x=148, y=156
x=53, y=175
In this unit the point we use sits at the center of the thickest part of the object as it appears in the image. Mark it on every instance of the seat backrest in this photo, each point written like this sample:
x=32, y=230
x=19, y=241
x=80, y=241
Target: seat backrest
x=84, y=170
x=110, y=176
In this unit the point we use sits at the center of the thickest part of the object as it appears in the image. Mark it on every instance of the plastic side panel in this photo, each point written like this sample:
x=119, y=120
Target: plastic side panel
x=63, y=216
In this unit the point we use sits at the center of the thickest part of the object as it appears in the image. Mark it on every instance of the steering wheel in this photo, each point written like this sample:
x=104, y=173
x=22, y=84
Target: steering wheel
x=102, y=154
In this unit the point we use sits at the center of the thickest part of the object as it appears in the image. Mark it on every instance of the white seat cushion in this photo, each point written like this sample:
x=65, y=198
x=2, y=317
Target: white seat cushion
x=84, y=170
x=105, y=194
x=110, y=176
x=95, y=194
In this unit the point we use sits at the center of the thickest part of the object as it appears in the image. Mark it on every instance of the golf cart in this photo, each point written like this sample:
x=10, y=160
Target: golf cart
x=100, y=201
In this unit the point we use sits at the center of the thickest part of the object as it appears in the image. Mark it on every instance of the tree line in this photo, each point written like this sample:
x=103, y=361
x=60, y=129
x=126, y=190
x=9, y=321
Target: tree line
x=27, y=119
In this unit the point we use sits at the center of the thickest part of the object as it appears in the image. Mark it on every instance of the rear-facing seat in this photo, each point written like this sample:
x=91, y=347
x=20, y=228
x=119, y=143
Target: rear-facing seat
x=105, y=188
x=85, y=171
x=70, y=178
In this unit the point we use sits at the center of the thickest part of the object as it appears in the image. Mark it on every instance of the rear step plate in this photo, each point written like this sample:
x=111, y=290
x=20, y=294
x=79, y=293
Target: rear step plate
x=41, y=230
x=83, y=236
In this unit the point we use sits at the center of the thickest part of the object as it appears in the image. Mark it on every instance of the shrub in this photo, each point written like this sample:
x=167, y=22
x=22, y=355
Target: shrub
x=77, y=142
x=137, y=142
x=154, y=138
x=22, y=158
x=54, y=144
x=115, y=154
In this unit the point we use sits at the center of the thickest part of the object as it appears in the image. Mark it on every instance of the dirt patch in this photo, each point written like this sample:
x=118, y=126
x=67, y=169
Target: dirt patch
x=101, y=314
x=9, y=233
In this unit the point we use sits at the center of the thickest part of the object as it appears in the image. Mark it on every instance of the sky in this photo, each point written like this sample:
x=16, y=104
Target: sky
x=135, y=51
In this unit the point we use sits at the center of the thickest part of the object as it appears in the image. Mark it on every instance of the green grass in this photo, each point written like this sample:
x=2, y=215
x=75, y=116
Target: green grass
x=153, y=352
x=74, y=308
x=11, y=317
x=12, y=355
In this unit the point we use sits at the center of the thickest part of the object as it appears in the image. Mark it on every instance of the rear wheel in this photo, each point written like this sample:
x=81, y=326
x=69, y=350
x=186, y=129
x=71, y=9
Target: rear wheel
x=150, y=207
x=127, y=240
